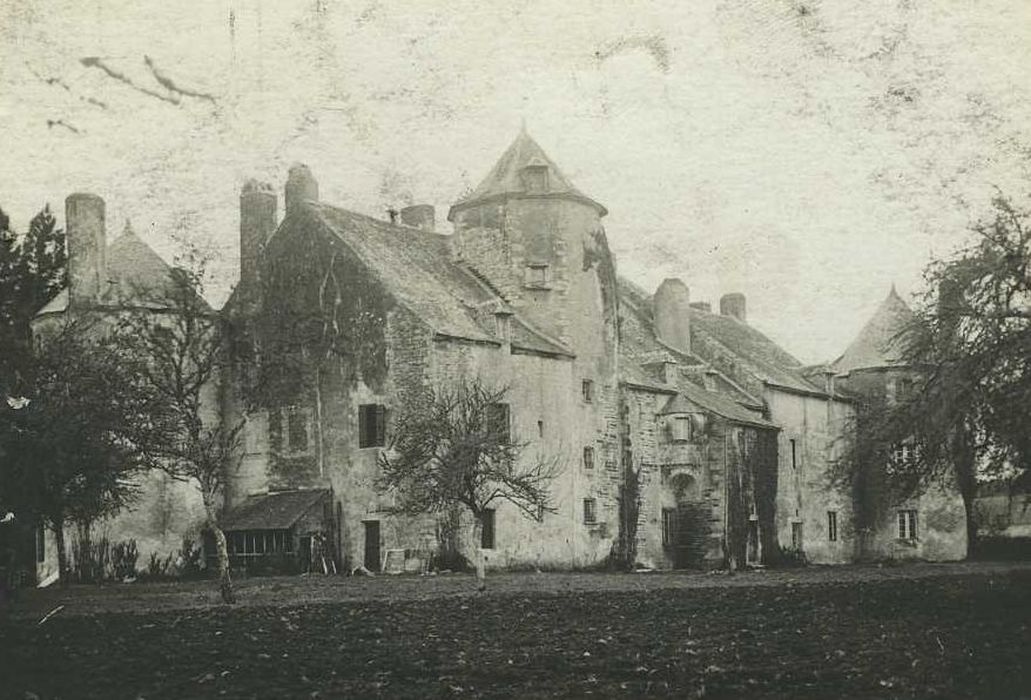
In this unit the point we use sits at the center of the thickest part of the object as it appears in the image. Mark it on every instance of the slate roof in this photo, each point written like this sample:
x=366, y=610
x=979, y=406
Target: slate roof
x=878, y=343
x=136, y=276
x=416, y=267
x=273, y=511
x=763, y=358
x=505, y=179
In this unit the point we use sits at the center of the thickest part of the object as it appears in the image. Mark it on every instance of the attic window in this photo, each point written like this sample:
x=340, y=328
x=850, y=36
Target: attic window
x=538, y=275
x=535, y=177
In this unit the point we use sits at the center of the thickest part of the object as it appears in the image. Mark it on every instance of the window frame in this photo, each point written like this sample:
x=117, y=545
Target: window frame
x=832, y=526
x=587, y=390
x=908, y=524
x=588, y=457
x=372, y=425
x=590, y=511
x=493, y=419
x=676, y=434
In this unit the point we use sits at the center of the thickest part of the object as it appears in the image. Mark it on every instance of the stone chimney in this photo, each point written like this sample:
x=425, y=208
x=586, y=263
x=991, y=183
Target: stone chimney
x=257, y=223
x=301, y=187
x=87, y=246
x=734, y=305
x=671, y=309
x=702, y=306
x=420, y=216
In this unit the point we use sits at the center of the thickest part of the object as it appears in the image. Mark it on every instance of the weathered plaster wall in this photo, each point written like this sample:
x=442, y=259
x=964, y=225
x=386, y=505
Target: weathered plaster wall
x=807, y=489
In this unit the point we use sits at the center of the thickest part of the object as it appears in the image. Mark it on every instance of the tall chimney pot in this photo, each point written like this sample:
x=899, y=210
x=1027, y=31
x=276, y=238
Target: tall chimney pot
x=301, y=187
x=257, y=223
x=672, y=314
x=734, y=305
x=87, y=247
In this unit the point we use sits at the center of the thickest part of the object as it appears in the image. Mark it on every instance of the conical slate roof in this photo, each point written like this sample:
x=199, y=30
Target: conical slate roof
x=506, y=178
x=878, y=344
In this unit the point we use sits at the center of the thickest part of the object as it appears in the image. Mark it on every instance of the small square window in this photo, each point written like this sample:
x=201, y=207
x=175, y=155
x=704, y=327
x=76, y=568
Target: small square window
x=590, y=511
x=538, y=275
x=588, y=458
x=680, y=428
x=907, y=525
x=587, y=388
x=372, y=425
x=832, y=526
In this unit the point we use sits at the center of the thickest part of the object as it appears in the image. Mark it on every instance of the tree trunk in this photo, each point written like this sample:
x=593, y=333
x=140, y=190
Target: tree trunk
x=968, y=507
x=481, y=568
x=63, y=575
x=225, y=582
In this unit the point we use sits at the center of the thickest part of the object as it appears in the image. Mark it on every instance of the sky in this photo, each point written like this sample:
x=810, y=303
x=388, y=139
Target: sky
x=809, y=154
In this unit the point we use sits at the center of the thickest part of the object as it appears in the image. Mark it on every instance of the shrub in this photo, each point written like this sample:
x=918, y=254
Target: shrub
x=123, y=560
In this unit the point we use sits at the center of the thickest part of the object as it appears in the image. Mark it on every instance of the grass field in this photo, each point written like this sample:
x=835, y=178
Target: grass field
x=923, y=631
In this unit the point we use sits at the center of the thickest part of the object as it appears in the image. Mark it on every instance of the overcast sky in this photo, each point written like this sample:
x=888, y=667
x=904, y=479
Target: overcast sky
x=806, y=153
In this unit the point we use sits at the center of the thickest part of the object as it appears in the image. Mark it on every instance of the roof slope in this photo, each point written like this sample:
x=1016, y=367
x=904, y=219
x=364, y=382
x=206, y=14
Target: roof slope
x=417, y=268
x=135, y=276
x=273, y=511
x=506, y=179
x=879, y=343
x=763, y=358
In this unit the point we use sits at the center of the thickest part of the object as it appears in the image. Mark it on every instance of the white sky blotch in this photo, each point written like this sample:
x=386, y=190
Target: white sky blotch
x=806, y=153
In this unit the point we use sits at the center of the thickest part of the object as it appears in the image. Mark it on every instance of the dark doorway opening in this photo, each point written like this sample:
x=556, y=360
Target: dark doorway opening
x=372, y=545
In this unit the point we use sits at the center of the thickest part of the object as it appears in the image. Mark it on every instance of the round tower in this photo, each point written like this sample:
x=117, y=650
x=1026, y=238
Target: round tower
x=540, y=242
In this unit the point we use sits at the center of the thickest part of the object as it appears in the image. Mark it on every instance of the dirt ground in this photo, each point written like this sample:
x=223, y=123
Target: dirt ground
x=916, y=631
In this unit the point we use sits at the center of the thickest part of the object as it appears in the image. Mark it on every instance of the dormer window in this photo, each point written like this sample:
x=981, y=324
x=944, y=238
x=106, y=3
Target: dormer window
x=535, y=176
x=538, y=275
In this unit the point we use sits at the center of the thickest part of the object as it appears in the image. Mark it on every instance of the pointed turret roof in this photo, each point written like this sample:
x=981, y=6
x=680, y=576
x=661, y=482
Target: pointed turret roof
x=879, y=343
x=506, y=178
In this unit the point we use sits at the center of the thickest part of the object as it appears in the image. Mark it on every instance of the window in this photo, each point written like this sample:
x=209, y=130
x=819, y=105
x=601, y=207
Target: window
x=535, y=177
x=587, y=387
x=372, y=425
x=297, y=429
x=538, y=275
x=288, y=430
x=499, y=422
x=487, y=529
x=902, y=453
x=590, y=511
x=669, y=527
x=832, y=526
x=41, y=543
x=794, y=454
x=540, y=428
x=588, y=458
x=680, y=428
x=905, y=389
x=796, y=536
x=907, y=524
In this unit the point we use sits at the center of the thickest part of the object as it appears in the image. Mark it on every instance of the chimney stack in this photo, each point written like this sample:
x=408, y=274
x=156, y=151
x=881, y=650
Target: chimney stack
x=257, y=223
x=671, y=310
x=734, y=305
x=420, y=216
x=301, y=187
x=87, y=246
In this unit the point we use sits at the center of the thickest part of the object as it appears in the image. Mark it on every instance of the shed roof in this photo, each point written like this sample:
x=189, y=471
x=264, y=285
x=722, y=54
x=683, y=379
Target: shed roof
x=273, y=511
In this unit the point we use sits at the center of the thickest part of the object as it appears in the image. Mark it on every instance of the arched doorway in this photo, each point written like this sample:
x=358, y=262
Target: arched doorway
x=684, y=523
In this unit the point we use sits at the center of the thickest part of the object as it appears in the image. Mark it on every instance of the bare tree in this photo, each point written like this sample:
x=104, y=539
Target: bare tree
x=452, y=447
x=180, y=346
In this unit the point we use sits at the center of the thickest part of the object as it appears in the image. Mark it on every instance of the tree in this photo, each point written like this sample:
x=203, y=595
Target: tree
x=65, y=452
x=452, y=448
x=181, y=354
x=33, y=269
x=969, y=414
